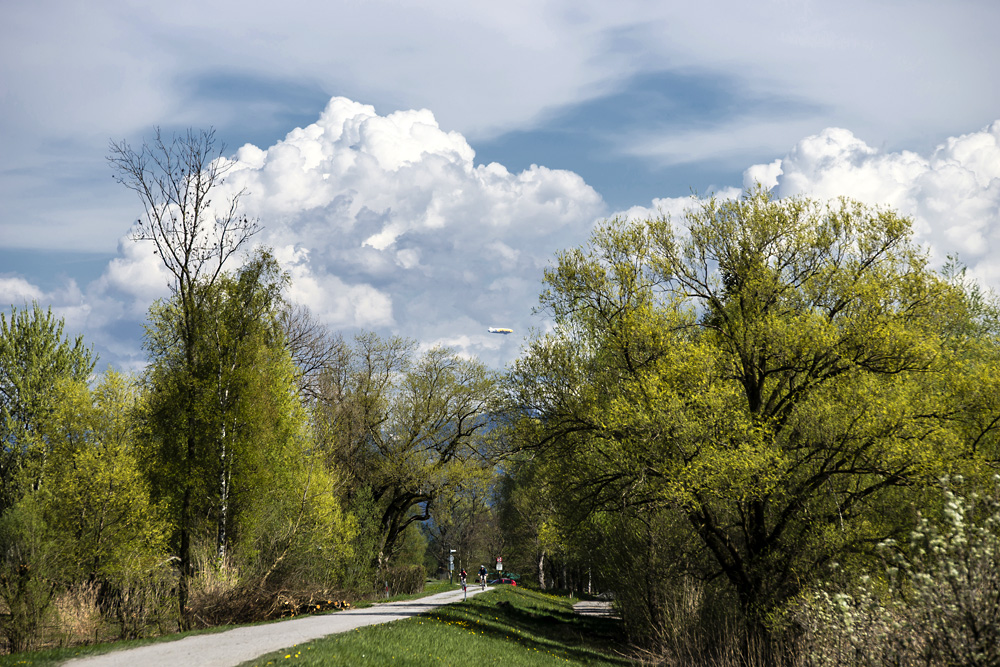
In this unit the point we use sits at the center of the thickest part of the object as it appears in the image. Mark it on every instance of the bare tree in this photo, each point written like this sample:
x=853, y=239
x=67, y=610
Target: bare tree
x=175, y=181
x=314, y=349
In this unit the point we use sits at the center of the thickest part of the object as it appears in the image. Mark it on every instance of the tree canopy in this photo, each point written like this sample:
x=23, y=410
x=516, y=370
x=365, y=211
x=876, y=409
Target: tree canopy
x=782, y=374
x=34, y=358
x=407, y=427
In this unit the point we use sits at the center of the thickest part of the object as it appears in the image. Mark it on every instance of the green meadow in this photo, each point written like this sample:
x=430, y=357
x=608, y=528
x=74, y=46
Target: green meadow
x=509, y=627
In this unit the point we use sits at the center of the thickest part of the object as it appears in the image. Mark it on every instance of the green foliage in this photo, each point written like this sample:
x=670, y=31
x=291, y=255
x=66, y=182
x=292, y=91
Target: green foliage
x=781, y=376
x=413, y=547
x=406, y=428
x=93, y=521
x=221, y=407
x=94, y=495
x=34, y=357
x=359, y=576
x=291, y=526
x=30, y=561
x=545, y=531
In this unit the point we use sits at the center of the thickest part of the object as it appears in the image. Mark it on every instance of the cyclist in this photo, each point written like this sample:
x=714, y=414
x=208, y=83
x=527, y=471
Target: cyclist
x=462, y=575
x=482, y=576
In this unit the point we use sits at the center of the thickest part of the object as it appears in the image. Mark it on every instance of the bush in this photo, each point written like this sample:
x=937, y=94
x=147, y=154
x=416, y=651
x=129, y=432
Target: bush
x=28, y=576
x=666, y=608
x=139, y=599
x=939, y=603
x=77, y=615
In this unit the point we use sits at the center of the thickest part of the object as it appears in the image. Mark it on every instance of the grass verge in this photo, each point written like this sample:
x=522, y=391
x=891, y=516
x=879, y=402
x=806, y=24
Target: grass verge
x=503, y=627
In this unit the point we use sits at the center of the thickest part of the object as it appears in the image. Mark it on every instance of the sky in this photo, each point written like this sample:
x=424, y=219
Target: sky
x=416, y=166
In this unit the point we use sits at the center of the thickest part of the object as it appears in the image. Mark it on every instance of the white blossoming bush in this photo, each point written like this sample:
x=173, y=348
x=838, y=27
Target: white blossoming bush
x=842, y=629
x=939, y=603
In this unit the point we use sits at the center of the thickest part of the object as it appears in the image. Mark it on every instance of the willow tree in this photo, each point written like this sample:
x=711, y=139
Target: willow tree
x=194, y=235
x=407, y=428
x=780, y=374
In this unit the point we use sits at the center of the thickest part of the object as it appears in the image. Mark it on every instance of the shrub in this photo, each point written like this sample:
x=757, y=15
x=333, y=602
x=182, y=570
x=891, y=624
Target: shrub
x=939, y=603
x=139, y=598
x=28, y=580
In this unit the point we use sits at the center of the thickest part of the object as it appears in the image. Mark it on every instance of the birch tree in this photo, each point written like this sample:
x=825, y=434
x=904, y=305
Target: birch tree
x=194, y=235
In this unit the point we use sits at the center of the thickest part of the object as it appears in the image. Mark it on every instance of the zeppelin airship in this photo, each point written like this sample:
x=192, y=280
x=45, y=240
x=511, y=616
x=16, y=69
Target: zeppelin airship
x=501, y=330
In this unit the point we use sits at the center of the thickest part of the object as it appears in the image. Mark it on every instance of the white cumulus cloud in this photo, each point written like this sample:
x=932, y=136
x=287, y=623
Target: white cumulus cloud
x=387, y=222
x=17, y=291
x=952, y=194
x=382, y=222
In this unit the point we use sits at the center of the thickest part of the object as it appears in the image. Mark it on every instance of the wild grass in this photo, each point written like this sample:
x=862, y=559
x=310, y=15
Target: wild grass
x=502, y=627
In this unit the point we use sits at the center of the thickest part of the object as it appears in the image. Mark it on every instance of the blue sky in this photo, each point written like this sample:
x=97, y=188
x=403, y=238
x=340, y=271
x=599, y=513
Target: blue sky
x=366, y=134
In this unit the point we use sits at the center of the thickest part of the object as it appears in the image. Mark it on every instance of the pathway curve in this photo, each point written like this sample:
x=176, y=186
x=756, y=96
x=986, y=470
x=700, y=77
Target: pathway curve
x=233, y=647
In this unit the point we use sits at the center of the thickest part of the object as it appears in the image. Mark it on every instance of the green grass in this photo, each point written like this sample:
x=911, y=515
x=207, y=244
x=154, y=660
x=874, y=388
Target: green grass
x=431, y=587
x=530, y=629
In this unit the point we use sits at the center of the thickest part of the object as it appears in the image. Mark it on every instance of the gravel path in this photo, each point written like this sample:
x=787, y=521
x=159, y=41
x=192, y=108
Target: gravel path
x=233, y=647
